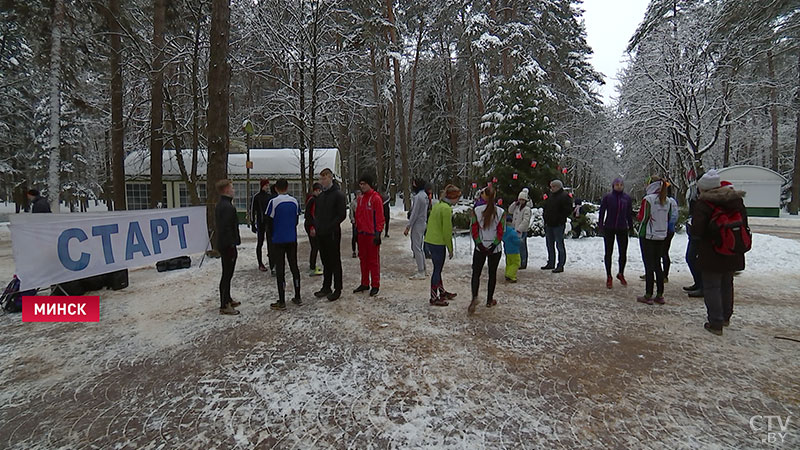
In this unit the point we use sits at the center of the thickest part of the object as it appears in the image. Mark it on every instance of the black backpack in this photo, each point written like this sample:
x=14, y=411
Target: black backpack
x=11, y=299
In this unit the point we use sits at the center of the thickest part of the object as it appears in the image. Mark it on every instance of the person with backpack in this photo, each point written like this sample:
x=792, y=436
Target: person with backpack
x=369, y=222
x=654, y=216
x=308, y=224
x=520, y=213
x=438, y=238
x=557, y=207
x=282, y=216
x=720, y=225
x=227, y=224
x=417, y=220
x=257, y=222
x=614, y=222
x=38, y=203
x=488, y=223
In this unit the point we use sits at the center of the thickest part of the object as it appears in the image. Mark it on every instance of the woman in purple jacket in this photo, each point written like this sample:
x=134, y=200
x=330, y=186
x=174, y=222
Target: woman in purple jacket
x=616, y=221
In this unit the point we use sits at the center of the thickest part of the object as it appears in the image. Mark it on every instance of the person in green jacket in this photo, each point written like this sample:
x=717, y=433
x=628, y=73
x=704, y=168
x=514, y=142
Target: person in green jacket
x=438, y=236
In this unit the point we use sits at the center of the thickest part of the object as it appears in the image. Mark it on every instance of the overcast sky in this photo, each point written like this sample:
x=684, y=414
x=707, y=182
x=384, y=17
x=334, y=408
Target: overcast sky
x=609, y=26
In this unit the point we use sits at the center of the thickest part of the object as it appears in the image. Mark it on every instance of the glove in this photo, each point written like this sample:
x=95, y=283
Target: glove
x=482, y=248
x=254, y=228
x=377, y=239
x=450, y=254
x=492, y=248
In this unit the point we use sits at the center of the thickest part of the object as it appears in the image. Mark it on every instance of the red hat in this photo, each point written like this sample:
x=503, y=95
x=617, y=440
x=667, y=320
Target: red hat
x=264, y=182
x=724, y=183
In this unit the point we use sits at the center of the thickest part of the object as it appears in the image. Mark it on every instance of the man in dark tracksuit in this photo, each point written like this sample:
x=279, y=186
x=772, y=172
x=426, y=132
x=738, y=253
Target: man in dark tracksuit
x=227, y=224
x=39, y=204
x=257, y=222
x=557, y=207
x=330, y=212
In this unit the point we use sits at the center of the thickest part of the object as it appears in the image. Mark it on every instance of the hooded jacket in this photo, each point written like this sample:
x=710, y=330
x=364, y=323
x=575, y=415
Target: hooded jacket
x=709, y=259
x=258, y=207
x=491, y=235
x=654, y=216
x=330, y=210
x=40, y=205
x=520, y=216
x=557, y=207
x=511, y=241
x=419, y=210
x=616, y=211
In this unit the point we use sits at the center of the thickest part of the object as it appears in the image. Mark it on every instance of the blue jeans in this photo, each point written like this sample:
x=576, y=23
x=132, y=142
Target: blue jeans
x=692, y=252
x=438, y=253
x=554, y=236
x=523, y=250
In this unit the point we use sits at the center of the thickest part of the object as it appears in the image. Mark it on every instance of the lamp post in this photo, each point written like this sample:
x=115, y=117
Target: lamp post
x=247, y=126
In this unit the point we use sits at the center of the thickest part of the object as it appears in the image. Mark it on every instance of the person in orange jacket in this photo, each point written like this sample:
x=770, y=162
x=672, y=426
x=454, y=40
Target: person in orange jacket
x=369, y=223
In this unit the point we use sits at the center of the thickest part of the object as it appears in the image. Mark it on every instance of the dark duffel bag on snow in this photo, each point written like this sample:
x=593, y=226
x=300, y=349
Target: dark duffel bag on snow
x=181, y=262
x=69, y=288
x=117, y=280
x=95, y=283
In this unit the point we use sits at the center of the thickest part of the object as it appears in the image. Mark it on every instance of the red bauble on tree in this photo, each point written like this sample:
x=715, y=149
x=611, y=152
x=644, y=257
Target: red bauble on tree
x=564, y=170
x=515, y=176
x=519, y=155
x=533, y=163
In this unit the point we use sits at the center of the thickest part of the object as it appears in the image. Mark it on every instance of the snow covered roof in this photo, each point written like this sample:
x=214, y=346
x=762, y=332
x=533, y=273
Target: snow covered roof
x=750, y=173
x=267, y=162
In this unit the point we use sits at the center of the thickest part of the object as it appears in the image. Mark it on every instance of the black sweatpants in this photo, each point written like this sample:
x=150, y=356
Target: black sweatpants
x=621, y=237
x=262, y=236
x=665, y=261
x=354, y=240
x=312, y=258
x=478, y=260
x=282, y=253
x=331, y=254
x=652, y=251
x=228, y=257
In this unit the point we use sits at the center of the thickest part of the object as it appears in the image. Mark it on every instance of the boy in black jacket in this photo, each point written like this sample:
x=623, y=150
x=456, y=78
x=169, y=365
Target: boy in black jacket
x=227, y=240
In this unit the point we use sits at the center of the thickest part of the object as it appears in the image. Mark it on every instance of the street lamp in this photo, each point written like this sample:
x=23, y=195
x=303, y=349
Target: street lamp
x=247, y=126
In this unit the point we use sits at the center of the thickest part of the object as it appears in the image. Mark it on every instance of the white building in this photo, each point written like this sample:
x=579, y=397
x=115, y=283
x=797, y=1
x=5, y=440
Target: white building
x=267, y=163
x=763, y=187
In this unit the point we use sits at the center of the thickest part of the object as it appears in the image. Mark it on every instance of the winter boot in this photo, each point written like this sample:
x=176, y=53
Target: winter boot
x=360, y=288
x=609, y=282
x=234, y=303
x=373, y=292
x=690, y=288
x=622, y=279
x=646, y=299
x=322, y=293
x=659, y=299
x=262, y=267
x=333, y=296
x=297, y=300
x=490, y=303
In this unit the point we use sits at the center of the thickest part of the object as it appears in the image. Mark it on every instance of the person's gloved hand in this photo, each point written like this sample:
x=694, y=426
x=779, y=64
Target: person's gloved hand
x=482, y=248
x=377, y=239
x=254, y=228
x=450, y=254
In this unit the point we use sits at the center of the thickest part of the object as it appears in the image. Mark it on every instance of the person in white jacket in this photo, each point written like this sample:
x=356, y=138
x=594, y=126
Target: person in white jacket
x=520, y=211
x=417, y=220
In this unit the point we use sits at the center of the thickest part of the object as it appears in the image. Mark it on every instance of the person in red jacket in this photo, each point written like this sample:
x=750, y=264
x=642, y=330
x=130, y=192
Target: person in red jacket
x=369, y=223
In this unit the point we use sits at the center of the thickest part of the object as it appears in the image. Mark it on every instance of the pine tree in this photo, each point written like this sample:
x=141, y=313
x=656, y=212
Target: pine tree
x=520, y=141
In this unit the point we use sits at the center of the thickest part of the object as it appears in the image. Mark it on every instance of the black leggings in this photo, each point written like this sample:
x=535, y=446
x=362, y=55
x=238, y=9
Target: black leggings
x=228, y=266
x=665, y=261
x=622, y=242
x=651, y=254
x=478, y=261
x=283, y=252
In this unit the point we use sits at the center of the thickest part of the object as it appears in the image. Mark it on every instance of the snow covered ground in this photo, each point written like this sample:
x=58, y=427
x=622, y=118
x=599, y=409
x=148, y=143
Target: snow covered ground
x=561, y=362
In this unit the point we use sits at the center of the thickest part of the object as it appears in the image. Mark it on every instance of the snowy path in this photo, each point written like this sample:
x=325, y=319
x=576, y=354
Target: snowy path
x=560, y=363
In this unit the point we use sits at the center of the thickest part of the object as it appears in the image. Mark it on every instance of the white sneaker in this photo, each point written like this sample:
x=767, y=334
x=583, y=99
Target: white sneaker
x=418, y=276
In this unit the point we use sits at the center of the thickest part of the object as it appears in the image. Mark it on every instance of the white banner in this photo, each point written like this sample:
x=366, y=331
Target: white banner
x=55, y=248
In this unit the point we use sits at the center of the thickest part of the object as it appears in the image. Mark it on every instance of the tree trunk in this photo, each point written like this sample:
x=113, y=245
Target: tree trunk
x=794, y=206
x=773, y=111
x=53, y=179
x=196, y=100
x=117, y=126
x=451, y=112
x=379, y=138
x=157, y=103
x=178, y=145
x=726, y=160
x=401, y=122
x=219, y=79
x=414, y=82
x=301, y=127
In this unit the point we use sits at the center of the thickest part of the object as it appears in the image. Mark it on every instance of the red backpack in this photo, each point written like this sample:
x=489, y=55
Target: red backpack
x=730, y=235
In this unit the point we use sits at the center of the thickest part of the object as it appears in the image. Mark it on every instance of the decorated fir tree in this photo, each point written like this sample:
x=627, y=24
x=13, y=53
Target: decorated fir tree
x=519, y=149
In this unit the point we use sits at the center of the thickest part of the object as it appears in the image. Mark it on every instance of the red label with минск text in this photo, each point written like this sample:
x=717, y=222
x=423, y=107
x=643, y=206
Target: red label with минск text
x=61, y=309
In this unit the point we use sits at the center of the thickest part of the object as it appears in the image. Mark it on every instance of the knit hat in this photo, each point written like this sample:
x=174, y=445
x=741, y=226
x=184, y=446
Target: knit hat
x=618, y=180
x=264, y=182
x=523, y=195
x=316, y=186
x=709, y=181
x=452, y=192
x=33, y=192
x=725, y=183
x=367, y=178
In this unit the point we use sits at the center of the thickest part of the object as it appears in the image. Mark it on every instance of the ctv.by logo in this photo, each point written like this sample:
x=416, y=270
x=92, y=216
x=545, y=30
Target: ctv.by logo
x=774, y=426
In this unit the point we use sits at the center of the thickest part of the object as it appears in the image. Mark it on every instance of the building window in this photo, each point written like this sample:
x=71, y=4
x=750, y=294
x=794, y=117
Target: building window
x=183, y=193
x=240, y=199
x=137, y=195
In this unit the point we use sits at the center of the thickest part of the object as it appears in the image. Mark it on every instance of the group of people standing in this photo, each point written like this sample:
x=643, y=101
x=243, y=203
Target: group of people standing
x=275, y=218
